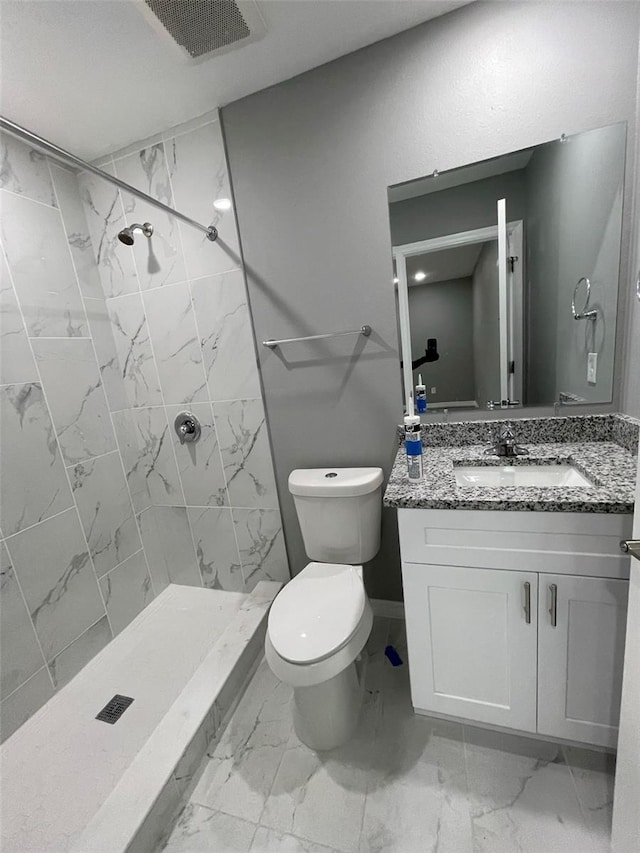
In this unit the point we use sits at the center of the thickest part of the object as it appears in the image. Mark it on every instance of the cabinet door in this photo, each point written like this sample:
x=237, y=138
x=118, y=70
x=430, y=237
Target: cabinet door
x=580, y=658
x=472, y=637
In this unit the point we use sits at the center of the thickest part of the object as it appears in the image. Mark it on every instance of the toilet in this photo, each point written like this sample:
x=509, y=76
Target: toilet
x=319, y=623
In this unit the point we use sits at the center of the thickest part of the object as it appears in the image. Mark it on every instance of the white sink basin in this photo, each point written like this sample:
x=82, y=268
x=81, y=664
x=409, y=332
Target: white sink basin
x=548, y=476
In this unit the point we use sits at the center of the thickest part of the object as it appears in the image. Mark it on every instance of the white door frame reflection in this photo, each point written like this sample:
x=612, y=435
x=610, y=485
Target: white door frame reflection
x=510, y=299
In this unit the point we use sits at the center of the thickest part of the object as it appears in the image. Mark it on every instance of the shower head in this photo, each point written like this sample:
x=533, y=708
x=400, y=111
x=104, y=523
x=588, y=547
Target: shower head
x=126, y=235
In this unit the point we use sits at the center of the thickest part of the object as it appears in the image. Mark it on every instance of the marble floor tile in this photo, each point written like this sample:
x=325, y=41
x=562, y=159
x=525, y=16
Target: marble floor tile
x=593, y=775
x=522, y=798
x=202, y=830
x=244, y=762
x=403, y=784
x=270, y=841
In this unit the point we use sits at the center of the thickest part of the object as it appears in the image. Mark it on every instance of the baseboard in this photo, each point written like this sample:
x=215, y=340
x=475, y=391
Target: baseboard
x=390, y=609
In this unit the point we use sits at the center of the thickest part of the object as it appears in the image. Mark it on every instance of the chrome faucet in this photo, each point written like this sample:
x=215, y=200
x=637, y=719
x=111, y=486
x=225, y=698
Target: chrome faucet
x=506, y=445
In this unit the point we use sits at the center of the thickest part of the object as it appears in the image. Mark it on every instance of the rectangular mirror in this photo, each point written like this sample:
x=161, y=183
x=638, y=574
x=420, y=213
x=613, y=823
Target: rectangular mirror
x=507, y=275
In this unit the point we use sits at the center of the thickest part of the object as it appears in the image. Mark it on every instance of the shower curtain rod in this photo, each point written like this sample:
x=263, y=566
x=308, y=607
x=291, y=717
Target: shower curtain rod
x=66, y=157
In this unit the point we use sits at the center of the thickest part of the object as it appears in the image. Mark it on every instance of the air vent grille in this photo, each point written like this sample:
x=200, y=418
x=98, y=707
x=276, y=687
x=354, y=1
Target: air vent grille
x=114, y=709
x=201, y=26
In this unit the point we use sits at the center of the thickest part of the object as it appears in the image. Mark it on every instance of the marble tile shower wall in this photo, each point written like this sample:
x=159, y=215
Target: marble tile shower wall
x=101, y=507
x=72, y=565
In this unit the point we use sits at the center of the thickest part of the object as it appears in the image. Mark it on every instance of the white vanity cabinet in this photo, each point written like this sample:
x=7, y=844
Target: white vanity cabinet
x=517, y=619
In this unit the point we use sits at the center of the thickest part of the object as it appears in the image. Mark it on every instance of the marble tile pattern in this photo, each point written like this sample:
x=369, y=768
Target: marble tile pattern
x=60, y=591
x=33, y=486
x=20, y=653
x=403, y=784
x=199, y=176
x=152, y=456
x=103, y=341
x=108, y=520
x=244, y=445
x=226, y=337
x=133, y=347
x=126, y=590
x=216, y=547
x=621, y=429
x=175, y=343
x=160, y=259
x=64, y=666
x=168, y=544
x=24, y=171
x=77, y=402
x=200, y=464
x=75, y=225
x=105, y=216
x=102, y=345
x=261, y=545
x=16, y=358
x=43, y=275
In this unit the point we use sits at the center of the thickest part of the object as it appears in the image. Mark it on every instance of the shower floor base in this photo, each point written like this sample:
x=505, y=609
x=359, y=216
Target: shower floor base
x=74, y=783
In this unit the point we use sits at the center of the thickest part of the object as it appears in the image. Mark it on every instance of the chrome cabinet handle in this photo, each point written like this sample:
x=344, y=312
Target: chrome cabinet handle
x=553, y=610
x=527, y=602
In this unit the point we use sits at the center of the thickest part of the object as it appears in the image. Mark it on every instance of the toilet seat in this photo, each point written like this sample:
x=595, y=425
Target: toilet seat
x=317, y=612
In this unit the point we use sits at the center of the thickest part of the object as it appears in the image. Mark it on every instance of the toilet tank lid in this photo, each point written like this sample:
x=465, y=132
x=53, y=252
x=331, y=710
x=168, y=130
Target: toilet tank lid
x=334, y=482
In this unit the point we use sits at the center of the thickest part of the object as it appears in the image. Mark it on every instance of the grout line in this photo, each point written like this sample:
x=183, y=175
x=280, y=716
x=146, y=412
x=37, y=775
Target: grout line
x=28, y=197
x=60, y=337
x=26, y=681
x=33, y=628
x=81, y=634
x=121, y=563
x=42, y=520
x=195, y=403
x=99, y=456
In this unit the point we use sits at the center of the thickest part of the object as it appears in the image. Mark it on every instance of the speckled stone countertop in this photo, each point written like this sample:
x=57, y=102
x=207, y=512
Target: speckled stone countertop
x=608, y=465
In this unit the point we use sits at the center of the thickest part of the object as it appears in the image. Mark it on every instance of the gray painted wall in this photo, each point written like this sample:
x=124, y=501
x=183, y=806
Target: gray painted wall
x=311, y=160
x=444, y=310
x=486, y=325
x=574, y=206
x=462, y=208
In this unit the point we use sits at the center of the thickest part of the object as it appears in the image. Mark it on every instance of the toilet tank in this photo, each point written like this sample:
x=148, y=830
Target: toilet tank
x=339, y=512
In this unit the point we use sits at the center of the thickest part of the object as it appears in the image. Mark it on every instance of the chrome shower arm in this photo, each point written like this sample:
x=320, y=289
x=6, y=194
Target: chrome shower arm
x=52, y=150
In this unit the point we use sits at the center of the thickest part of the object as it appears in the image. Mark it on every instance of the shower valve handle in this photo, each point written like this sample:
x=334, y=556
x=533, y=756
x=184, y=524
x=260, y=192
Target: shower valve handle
x=187, y=427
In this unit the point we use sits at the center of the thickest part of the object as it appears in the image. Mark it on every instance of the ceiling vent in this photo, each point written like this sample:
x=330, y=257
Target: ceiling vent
x=205, y=28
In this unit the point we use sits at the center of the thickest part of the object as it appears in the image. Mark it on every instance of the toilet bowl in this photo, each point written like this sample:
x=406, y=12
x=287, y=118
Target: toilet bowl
x=320, y=622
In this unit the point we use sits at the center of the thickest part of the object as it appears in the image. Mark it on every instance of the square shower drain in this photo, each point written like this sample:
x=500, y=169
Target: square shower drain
x=114, y=709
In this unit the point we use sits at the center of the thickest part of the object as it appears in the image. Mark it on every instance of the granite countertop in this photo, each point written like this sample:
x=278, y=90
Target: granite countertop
x=610, y=467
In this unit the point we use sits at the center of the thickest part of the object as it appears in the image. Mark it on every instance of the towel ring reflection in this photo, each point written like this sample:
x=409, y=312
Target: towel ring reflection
x=584, y=314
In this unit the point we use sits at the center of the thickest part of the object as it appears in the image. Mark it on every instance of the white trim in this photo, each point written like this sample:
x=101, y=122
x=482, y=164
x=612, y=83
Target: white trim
x=453, y=404
x=450, y=241
x=390, y=609
x=502, y=298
